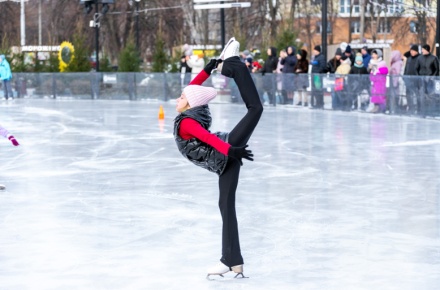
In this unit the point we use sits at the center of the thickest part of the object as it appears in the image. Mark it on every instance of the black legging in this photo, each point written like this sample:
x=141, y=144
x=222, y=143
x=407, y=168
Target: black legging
x=239, y=136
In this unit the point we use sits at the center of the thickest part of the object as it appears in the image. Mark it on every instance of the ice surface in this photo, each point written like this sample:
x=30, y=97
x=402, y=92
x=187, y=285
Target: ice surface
x=98, y=197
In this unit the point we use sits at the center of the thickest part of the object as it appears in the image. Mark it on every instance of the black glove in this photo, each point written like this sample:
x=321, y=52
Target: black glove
x=212, y=64
x=240, y=152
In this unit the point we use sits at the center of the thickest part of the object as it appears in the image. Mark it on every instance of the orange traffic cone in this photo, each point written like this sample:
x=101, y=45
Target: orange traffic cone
x=161, y=113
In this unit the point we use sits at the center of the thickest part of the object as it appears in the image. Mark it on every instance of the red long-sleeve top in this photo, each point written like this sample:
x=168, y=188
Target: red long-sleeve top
x=190, y=128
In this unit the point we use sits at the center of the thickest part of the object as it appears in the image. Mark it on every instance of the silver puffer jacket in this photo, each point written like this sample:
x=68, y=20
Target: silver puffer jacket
x=196, y=151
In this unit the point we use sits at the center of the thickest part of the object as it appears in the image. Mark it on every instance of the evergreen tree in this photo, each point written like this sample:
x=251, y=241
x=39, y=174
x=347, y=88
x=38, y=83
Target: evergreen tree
x=52, y=64
x=129, y=59
x=17, y=62
x=104, y=64
x=80, y=62
x=160, y=60
x=287, y=38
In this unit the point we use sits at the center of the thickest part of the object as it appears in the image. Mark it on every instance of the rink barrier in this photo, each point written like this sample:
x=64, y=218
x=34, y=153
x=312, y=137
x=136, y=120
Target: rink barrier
x=405, y=95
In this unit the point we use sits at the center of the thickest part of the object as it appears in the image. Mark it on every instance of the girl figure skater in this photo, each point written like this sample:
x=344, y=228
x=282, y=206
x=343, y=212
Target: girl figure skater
x=219, y=152
x=11, y=138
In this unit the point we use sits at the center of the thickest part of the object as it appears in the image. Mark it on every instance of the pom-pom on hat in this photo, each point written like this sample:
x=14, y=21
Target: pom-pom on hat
x=199, y=95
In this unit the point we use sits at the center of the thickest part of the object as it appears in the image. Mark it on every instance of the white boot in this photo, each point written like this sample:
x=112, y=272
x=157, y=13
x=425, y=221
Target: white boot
x=226, y=47
x=221, y=269
x=233, y=49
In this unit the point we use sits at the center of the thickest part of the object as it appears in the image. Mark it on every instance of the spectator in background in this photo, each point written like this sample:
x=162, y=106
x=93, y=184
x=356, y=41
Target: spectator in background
x=395, y=73
x=341, y=100
x=411, y=81
x=301, y=79
x=358, y=80
x=196, y=63
x=318, y=68
x=185, y=71
x=378, y=77
x=244, y=55
x=279, y=78
x=248, y=63
x=267, y=72
x=332, y=66
x=350, y=54
x=427, y=65
x=289, y=62
x=333, y=63
x=6, y=76
x=256, y=66
x=366, y=57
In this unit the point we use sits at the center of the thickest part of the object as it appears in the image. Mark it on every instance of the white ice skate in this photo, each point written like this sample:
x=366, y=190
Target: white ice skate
x=221, y=269
x=2, y=187
x=226, y=47
x=233, y=49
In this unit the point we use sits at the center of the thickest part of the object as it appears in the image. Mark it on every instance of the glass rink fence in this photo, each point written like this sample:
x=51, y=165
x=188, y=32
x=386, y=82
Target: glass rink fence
x=404, y=95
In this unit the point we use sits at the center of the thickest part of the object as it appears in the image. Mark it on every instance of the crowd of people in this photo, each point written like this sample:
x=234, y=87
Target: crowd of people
x=354, y=73
x=359, y=79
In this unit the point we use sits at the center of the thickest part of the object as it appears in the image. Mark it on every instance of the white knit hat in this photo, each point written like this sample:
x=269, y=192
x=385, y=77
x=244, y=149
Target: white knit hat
x=199, y=95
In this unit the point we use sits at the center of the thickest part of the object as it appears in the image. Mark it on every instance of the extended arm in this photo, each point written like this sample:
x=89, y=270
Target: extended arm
x=190, y=128
x=205, y=73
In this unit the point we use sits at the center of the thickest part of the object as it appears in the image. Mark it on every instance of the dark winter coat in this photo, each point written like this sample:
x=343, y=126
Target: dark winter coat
x=410, y=67
x=412, y=83
x=269, y=66
x=318, y=67
x=427, y=65
x=318, y=64
x=366, y=59
x=289, y=64
x=332, y=65
x=301, y=69
x=358, y=79
x=196, y=151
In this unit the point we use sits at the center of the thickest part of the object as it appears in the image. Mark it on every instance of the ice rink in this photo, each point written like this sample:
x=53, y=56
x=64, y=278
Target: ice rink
x=98, y=197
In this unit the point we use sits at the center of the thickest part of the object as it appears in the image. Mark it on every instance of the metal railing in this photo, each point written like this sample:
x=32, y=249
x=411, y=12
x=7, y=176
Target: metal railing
x=405, y=95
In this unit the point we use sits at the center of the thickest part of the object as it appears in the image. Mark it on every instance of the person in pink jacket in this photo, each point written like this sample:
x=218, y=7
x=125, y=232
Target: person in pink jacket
x=378, y=77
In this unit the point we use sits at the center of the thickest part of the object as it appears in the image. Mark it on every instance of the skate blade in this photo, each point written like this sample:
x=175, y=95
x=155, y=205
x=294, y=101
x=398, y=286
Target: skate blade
x=242, y=276
x=214, y=275
x=220, y=277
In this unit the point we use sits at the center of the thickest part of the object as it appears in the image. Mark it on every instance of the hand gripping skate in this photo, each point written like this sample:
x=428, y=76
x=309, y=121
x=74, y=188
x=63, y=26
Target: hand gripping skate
x=221, y=269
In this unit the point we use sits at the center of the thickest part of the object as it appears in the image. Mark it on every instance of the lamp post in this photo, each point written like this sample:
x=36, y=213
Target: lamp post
x=137, y=25
x=437, y=31
x=88, y=7
x=23, y=24
x=324, y=28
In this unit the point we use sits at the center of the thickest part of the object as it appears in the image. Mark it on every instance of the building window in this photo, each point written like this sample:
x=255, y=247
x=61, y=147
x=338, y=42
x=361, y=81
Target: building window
x=319, y=27
x=396, y=7
x=355, y=27
x=345, y=6
x=413, y=26
x=383, y=27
